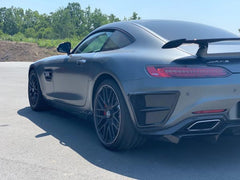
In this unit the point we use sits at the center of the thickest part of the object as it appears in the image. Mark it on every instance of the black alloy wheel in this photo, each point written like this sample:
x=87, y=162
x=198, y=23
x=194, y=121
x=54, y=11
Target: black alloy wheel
x=112, y=121
x=107, y=114
x=36, y=100
x=33, y=89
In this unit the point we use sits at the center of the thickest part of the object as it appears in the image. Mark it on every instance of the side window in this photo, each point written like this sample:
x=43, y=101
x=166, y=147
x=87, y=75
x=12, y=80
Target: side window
x=117, y=40
x=94, y=43
x=104, y=41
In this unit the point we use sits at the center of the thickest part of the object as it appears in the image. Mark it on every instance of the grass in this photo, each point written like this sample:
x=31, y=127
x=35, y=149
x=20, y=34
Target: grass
x=47, y=43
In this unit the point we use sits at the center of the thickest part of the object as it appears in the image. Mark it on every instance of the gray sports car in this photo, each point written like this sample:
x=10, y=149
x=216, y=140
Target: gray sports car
x=145, y=78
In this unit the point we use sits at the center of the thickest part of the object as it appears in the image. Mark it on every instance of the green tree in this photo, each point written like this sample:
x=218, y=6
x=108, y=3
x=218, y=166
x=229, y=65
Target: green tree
x=87, y=24
x=77, y=17
x=112, y=18
x=42, y=21
x=2, y=15
x=61, y=24
x=134, y=16
x=68, y=22
x=9, y=22
x=30, y=19
x=18, y=14
x=45, y=33
x=30, y=32
x=97, y=19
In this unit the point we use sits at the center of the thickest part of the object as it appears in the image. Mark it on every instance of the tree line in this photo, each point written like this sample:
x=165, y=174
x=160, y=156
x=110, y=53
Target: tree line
x=68, y=22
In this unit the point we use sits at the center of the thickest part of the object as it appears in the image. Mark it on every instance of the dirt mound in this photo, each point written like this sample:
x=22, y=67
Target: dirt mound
x=20, y=51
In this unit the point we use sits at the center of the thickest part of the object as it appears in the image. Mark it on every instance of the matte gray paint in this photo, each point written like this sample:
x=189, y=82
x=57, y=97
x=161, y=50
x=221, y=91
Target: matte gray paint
x=72, y=83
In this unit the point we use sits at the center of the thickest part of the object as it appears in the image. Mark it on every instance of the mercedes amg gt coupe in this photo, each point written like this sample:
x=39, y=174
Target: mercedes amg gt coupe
x=144, y=78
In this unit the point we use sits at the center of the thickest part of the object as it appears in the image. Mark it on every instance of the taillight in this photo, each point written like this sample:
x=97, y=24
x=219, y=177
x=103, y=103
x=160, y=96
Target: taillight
x=187, y=72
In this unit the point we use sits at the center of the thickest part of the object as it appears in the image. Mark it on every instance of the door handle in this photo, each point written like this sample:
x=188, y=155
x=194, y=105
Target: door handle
x=81, y=61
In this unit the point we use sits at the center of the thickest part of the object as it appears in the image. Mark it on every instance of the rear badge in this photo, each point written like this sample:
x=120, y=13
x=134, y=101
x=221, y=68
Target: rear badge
x=218, y=61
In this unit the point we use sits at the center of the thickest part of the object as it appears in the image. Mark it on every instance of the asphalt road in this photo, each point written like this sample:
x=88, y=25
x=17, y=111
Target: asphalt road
x=56, y=145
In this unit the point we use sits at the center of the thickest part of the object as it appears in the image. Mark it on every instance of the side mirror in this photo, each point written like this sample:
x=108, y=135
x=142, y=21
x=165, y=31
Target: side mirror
x=64, y=47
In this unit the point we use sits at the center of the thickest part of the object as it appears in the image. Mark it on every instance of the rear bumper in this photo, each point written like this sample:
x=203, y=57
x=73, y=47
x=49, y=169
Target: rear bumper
x=167, y=106
x=153, y=110
x=189, y=127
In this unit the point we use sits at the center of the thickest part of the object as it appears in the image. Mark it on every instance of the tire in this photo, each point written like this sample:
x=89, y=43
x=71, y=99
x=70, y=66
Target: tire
x=35, y=97
x=112, y=121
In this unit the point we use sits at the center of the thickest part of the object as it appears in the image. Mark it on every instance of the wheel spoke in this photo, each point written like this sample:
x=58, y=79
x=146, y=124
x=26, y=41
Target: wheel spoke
x=112, y=131
x=101, y=123
x=99, y=105
x=106, y=96
x=115, y=125
x=102, y=101
x=116, y=119
x=100, y=109
x=115, y=105
x=103, y=96
x=105, y=132
x=102, y=128
x=116, y=109
x=109, y=97
x=31, y=84
x=113, y=99
x=100, y=116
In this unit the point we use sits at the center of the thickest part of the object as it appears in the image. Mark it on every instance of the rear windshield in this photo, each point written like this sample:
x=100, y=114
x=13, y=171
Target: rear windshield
x=172, y=30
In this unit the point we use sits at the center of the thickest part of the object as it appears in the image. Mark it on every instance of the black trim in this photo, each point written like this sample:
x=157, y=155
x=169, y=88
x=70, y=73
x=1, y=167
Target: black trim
x=180, y=130
x=153, y=109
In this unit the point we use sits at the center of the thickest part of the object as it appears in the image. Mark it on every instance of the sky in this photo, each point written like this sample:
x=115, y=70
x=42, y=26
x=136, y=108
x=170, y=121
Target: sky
x=220, y=13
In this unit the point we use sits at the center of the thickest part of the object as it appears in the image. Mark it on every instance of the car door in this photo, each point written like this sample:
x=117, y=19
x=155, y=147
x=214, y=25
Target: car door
x=72, y=76
x=46, y=70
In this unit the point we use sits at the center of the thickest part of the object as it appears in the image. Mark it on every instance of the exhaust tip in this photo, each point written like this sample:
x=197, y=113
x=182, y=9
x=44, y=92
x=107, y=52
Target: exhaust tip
x=204, y=125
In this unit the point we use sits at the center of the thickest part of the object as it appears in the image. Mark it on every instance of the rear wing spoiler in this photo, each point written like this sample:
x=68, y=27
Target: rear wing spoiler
x=202, y=43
